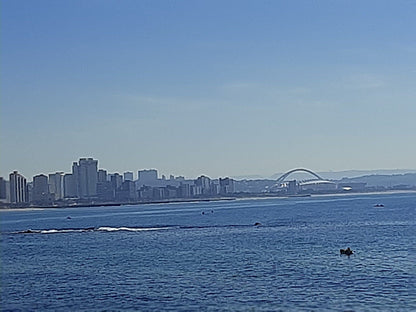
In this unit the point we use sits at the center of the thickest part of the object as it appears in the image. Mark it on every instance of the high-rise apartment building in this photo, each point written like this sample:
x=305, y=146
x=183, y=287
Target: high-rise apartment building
x=102, y=176
x=3, y=194
x=226, y=186
x=147, y=177
x=116, y=180
x=85, y=174
x=18, y=188
x=40, y=190
x=204, y=183
x=56, y=185
x=128, y=176
x=70, y=186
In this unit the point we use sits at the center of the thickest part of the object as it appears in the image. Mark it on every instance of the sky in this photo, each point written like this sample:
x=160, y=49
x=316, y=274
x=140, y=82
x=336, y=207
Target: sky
x=221, y=88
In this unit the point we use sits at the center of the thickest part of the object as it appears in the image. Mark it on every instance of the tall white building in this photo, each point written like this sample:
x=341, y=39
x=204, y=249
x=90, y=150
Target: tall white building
x=18, y=188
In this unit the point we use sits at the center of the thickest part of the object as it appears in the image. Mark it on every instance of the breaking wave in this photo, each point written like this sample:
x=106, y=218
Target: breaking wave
x=158, y=228
x=91, y=229
x=113, y=229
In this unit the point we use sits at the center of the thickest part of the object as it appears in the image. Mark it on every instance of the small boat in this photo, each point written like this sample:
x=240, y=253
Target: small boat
x=378, y=205
x=347, y=251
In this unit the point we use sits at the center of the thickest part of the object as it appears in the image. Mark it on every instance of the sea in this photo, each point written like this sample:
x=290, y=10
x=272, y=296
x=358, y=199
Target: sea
x=274, y=254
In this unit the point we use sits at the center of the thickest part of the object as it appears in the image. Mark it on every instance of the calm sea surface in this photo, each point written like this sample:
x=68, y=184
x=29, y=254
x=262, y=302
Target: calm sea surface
x=209, y=256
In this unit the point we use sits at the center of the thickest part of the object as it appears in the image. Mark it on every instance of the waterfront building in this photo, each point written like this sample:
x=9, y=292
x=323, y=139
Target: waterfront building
x=56, y=185
x=292, y=188
x=226, y=186
x=205, y=184
x=318, y=186
x=147, y=177
x=105, y=191
x=127, y=192
x=29, y=188
x=3, y=194
x=40, y=190
x=75, y=177
x=171, y=191
x=102, y=175
x=184, y=190
x=18, y=188
x=7, y=200
x=159, y=193
x=145, y=193
x=70, y=186
x=214, y=187
x=351, y=186
x=85, y=173
x=128, y=176
x=196, y=191
x=116, y=180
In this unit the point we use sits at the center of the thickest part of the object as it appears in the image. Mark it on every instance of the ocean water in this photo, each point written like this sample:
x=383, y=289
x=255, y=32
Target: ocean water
x=209, y=256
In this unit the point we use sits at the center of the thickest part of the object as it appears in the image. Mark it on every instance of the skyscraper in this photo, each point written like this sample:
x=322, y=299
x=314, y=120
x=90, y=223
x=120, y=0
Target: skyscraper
x=226, y=186
x=85, y=174
x=2, y=188
x=128, y=176
x=205, y=184
x=56, y=185
x=18, y=189
x=147, y=177
x=40, y=191
x=102, y=176
x=70, y=186
x=116, y=180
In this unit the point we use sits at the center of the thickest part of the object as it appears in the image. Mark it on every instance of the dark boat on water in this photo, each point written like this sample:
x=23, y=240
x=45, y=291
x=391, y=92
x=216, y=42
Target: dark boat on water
x=347, y=251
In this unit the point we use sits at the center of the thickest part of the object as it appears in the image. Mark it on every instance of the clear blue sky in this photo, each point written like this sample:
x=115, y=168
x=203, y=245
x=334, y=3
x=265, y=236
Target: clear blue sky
x=208, y=87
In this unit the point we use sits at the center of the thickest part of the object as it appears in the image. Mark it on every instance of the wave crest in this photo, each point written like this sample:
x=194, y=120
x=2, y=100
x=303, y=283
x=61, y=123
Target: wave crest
x=91, y=229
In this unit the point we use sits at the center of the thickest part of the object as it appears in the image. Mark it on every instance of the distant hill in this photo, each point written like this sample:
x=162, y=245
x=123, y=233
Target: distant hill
x=389, y=181
x=337, y=175
x=249, y=177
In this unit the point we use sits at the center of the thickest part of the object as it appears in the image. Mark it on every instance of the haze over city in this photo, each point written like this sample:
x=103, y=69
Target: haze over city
x=218, y=88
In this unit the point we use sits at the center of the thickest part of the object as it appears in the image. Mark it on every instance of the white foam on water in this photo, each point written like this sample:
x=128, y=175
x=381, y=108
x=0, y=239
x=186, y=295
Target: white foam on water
x=53, y=231
x=49, y=231
x=114, y=229
x=102, y=228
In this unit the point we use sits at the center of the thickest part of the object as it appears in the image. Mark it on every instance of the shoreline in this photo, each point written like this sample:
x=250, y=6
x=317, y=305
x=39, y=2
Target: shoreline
x=197, y=200
x=156, y=202
x=331, y=195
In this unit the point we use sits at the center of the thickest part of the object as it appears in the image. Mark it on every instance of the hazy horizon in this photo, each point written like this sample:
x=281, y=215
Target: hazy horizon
x=274, y=175
x=234, y=88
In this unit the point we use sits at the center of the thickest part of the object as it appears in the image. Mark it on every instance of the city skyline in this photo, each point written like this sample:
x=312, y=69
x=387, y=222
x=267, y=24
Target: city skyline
x=217, y=88
x=88, y=184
